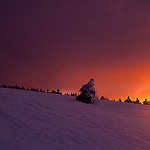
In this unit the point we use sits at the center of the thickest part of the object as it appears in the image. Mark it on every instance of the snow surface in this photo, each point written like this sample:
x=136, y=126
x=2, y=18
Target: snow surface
x=40, y=121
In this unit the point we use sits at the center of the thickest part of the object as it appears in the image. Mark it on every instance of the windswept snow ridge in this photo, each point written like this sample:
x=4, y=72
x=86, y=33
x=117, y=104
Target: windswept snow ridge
x=40, y=121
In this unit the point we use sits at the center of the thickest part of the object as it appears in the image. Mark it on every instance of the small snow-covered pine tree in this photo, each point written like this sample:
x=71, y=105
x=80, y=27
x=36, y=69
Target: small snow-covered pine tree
x=88, y=93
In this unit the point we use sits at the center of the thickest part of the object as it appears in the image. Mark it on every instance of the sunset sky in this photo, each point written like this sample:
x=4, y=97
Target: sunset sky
x=63, y=43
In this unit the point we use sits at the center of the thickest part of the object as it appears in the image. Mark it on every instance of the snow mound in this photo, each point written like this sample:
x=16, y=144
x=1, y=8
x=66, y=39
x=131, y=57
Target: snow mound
x=40, y=121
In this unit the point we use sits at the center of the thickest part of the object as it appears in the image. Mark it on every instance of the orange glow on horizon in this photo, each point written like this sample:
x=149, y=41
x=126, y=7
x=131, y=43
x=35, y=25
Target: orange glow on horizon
x=113, y=83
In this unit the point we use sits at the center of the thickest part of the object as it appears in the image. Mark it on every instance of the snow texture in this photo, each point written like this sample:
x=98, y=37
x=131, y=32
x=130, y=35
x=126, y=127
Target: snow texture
x=40, y=121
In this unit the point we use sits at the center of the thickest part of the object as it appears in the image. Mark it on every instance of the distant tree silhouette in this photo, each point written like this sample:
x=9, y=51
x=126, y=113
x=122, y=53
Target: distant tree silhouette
x=22, y=88
x=87, y=93
x=128, y=100
x=31, y=89
x=104, y=98
x=73, y=94
x=47, y=91
x=17, y=87
x=119, y=100
x=37, y=90
x=11, y=86
x=137, y=101
x=4, y=86
x=53, y=92
x=146, y=102
x=58, y=92
x=66, y=94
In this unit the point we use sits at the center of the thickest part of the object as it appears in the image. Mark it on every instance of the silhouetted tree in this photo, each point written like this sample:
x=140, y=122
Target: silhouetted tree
x=22, y=88
x=53, y=92
x=31, y=89
x=58, y=92
x=137, y=101
x=4, y=86
x=119, y=100
x=128, y=100
x=146, y=102
x=73, y=94
x=37, y=90
x=104, y=98
x=17, y=87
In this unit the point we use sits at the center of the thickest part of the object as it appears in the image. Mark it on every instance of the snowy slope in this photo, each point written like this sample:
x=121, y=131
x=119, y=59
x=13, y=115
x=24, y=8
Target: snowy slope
x=40, y=121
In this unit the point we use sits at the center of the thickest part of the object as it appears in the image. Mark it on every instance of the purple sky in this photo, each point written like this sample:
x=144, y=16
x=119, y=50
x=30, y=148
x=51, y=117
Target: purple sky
x=63, y=44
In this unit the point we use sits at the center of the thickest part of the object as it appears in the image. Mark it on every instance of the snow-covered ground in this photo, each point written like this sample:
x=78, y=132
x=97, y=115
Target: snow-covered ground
x=40, y=121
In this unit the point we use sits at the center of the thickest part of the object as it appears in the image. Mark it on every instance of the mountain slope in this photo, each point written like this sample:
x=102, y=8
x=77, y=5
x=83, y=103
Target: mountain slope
x=40, y=121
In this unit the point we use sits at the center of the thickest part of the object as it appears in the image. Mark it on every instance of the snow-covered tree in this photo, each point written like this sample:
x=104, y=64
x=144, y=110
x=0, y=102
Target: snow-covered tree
x=87, y=93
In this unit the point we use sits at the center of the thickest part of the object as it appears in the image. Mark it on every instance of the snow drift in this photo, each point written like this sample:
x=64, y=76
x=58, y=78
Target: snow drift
x=40, y=121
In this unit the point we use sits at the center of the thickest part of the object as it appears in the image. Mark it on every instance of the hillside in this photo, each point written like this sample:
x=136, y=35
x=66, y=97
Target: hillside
x=40, y=121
